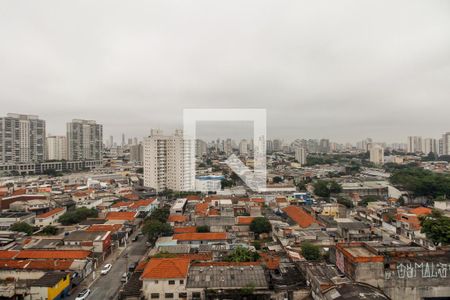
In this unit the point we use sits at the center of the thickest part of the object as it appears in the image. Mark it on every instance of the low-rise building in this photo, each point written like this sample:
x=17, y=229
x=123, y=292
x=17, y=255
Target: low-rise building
x=50, y=218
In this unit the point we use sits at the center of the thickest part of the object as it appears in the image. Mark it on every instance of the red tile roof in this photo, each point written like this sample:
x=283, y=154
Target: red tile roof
x=177, y=218
x=104, y=227
x=186, y=229
x=201, y=209
x=166, y=268
x=121, y=215
x=244, y=220
x=8, y=254
x=145, y=202
x=213, y=212
x=122, y=204
x=300, y=216
x=132, y=197
x=200, y=236
x=225, y=263
x=50, y=264
x=420, y=211
x=193, y=198
x=53, y=254
x=50, y=213
x=13, y=264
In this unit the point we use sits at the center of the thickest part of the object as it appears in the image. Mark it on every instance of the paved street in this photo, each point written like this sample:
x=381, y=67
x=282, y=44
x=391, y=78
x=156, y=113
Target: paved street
x=107, y=286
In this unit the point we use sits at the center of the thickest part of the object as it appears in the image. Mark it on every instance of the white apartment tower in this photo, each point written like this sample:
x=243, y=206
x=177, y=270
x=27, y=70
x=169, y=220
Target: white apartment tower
x=300, y=155
x=243, y=147
x=169, y=162
x=56, y=147
x=377, y=154
x=446, y=143
x=430, y=145
x=414, y=144
x=22, y=139
x=84, y=140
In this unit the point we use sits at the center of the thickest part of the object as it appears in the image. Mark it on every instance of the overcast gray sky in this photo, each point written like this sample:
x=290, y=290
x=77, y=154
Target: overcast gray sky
x=343, y=70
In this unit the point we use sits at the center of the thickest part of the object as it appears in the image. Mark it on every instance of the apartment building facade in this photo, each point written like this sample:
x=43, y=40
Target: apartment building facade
x=84, y=140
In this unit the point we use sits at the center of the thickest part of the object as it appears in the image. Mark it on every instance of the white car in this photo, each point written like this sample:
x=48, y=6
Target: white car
x=83, y=294
x=106, y=269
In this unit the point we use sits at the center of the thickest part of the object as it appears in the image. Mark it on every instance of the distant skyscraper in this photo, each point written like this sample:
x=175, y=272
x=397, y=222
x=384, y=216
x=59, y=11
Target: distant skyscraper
x=228, y=147
x=22, y=139
x=243, y=147
x=111, y=141
x=130, y=141
x=277, y=145
x=300, y=155
x=135, y=141
x=269, y=146
x=414, y=144
x=324, y=145
x=377, y=154
x=168, y=162
x=429, y=145
x=84, y=140
x=446, y=143
x=123, y=139
x=137, y=153
x=201, y=148
x=56, y=147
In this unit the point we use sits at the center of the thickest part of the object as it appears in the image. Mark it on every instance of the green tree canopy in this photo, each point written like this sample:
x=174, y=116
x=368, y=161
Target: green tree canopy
x=241, y=254
x=260, y=225
x=77, y=215
x=310, y=251
x=436, y=227
x=155, y=228
x=324, y=188
x=50, y=230
x=422, y=182
x=203, y=228
x=160, y=214
x=22, y=227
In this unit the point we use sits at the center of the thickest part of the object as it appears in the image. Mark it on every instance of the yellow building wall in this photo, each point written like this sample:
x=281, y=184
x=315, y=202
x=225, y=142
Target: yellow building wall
x=58, y=288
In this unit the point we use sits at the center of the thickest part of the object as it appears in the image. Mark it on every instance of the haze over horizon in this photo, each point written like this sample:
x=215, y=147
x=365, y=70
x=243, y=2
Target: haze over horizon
x=342, y=70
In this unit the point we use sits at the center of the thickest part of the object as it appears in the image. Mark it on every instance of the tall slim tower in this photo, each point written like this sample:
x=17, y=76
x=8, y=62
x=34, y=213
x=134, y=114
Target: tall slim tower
x=84, y=140
x=169, y=162
x=22, y=139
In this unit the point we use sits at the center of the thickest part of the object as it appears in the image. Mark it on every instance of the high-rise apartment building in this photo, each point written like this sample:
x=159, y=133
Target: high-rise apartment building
x=243, y=147
x=414, y=144
x=22, y=139
x=446, y=143
x=56, y=147
x=377, y=154
x=324, y=145
x=137, y=153
x=84, y=140
x=169, y=162
x=429, y=145
x=201, y=148
x=300, y=155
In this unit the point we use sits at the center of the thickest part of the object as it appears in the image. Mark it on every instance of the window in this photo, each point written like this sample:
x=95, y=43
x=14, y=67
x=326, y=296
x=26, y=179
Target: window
x=196, y=295
x=154, y=295
x=181, y=281
x=169, y=295
x=171, y=282
x=182, y=295
x=156, y=281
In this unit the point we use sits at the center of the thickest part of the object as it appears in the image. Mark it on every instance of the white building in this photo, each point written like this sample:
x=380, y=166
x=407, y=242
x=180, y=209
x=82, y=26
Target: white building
x=169, y=162
x=300, y=155
x=377, y=154
x=429, y=145
x=207, y=184
x=84, y=140
x=22, y=139
x=414, y=144
x=56, y=148
x=201, y=148
x=243, y=147
x=446, y=143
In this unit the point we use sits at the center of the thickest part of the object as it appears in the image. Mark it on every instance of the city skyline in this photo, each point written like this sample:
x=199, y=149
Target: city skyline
x=342, y=71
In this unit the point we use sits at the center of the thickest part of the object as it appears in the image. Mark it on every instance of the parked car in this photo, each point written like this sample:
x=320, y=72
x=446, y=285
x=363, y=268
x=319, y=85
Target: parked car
x=83, y=294
x=125, y=277
x=106, y=269
x=132, y=267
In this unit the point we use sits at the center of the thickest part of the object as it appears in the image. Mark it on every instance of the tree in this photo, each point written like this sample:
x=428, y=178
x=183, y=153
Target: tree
x=203, y=228
x=366, y=200
x=310, y=251
x=346, y=202
x=155, y=228
x=22, y=227
x=226, y=183
x=241, y=254
x=436, y=227
x=260, y=225
x=50, y=230
x=324, y=188
x=160, y=214
x=77, y=215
